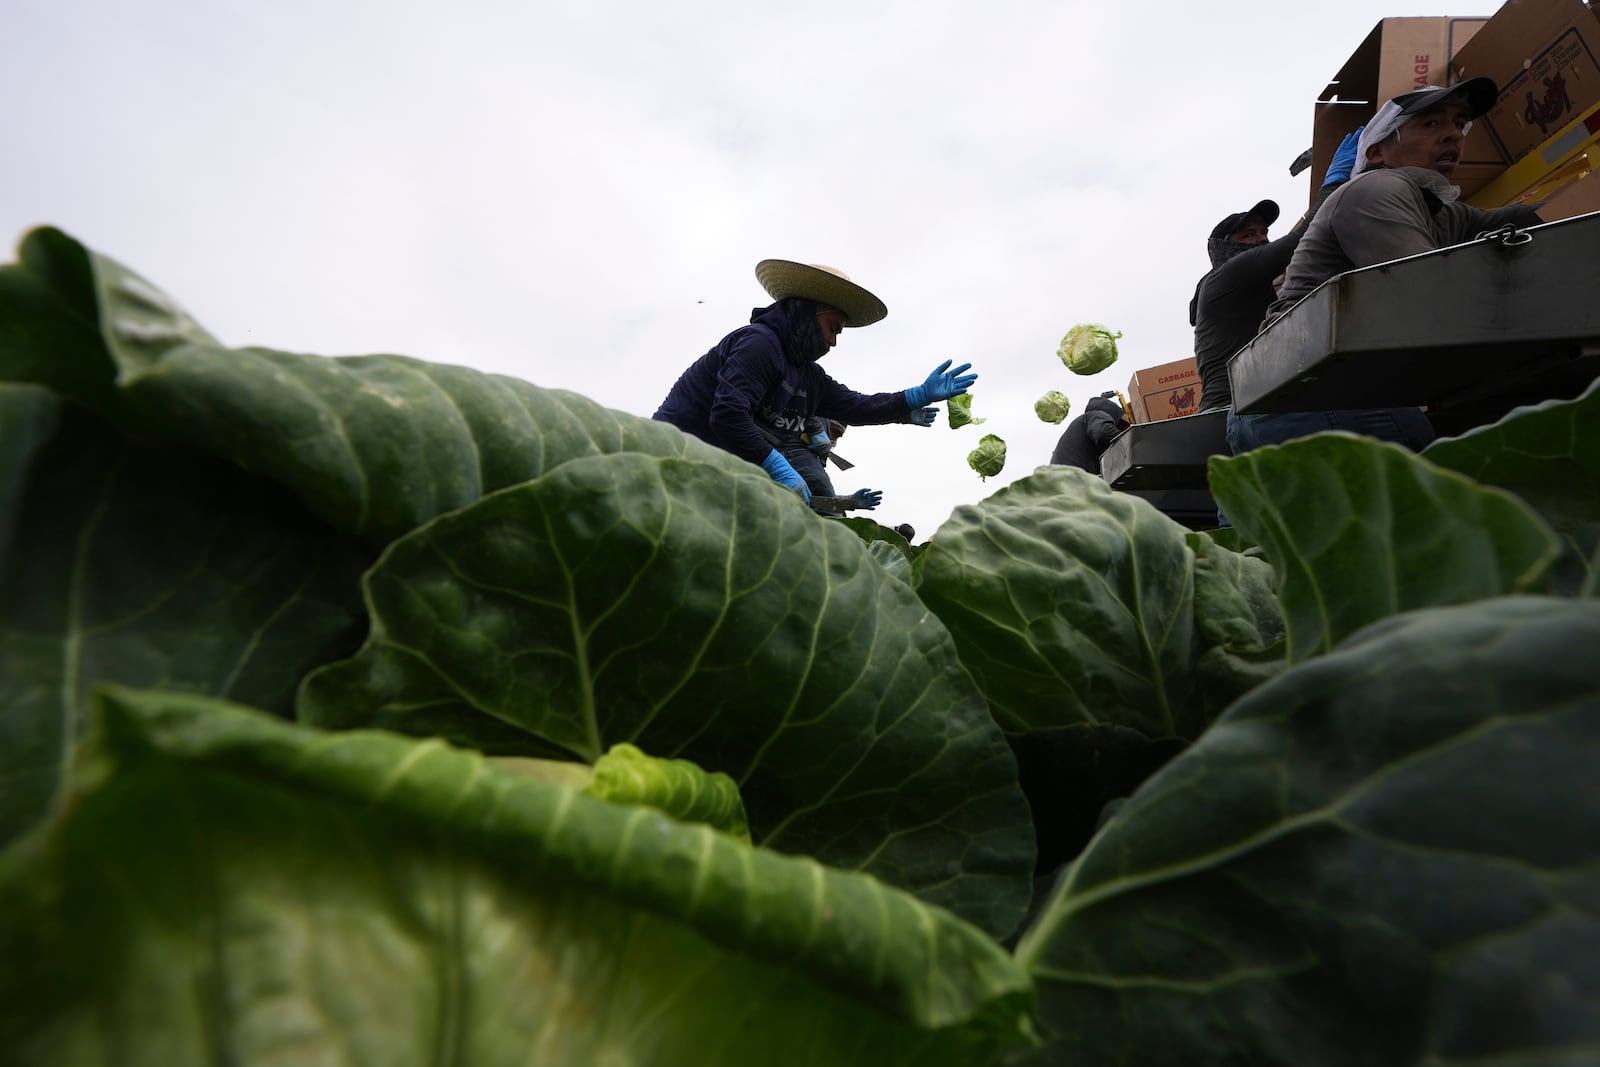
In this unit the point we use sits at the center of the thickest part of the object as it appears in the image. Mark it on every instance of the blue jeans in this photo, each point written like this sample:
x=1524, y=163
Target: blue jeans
x=810, y=467
x=1407, y=427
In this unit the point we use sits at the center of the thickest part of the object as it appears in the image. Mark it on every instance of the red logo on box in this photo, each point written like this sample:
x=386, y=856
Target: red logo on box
x=1556, y=103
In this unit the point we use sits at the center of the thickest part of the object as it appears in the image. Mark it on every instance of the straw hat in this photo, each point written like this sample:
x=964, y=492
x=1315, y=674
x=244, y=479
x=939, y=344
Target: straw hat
x=827, y=285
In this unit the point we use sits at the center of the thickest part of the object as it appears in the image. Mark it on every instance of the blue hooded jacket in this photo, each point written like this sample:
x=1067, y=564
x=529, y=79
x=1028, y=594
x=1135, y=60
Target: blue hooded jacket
x=764, y=377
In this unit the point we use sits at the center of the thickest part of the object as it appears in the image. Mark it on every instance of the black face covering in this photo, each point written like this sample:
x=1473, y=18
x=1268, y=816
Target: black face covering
x=803, y=341
x=1220, y=249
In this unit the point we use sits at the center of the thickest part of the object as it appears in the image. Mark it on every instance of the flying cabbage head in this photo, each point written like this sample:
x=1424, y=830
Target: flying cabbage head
x=961, y=412
x=1052, y=407
x=989, y=458
x=1088, y=348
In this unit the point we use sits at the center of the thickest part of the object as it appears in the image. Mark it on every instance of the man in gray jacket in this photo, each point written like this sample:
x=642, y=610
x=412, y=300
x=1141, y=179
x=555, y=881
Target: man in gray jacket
x=1398, y=203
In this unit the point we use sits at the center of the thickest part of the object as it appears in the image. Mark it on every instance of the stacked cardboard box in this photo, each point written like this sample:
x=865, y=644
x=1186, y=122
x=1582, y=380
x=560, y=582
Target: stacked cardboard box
x=1399, y=55
x=1544, y=55
x=1165, y=392
x=1551, y=174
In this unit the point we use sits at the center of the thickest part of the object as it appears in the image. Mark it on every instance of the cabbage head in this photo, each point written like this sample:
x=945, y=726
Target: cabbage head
x=1088, y=348
x=989, y=458
x=961, y=412
x=1052, y=407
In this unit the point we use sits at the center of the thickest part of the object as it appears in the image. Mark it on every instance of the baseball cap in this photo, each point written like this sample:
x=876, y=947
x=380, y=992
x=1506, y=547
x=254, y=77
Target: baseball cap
x=1478, y=94
x=1266, y=211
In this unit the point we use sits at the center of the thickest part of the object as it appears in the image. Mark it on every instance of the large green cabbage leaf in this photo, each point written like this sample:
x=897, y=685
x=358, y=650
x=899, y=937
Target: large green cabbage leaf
x=147, y=565
x=50, y=320
x=1071, y=774
x=1387, y=854
x=28, y=420
x=376, y=445
x=1358, y=530
x=1103, y=634
x=226, y=887
x=1239, y=621
x=705, y=615
x=1071, y=604
x=1549, y=455
x=893, y=553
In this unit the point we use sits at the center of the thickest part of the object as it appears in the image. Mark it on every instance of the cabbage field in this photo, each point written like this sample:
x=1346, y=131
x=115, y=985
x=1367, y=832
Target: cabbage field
x=370, y=710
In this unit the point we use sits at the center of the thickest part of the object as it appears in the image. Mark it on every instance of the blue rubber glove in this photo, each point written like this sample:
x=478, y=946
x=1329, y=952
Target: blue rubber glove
x=780, y=470
x=866, y=499
x=1344, y=159
x=820, y=442
x=942, y=384
x=923, y=416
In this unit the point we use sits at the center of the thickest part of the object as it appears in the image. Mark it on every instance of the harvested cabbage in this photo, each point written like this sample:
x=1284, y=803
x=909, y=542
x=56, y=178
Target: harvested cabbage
x=1088, y=348
x=1052, y=407
x=961, y=412
x=989, y=458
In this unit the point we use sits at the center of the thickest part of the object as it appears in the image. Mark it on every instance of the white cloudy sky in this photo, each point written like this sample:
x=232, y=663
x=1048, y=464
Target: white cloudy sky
x=577, y=194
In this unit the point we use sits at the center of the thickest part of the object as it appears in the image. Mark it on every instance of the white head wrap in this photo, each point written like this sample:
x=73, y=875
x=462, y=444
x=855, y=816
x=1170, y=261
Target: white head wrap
x=1378, y=128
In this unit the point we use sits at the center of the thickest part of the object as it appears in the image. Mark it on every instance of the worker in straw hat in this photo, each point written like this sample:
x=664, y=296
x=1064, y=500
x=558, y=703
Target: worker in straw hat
x=753, y=393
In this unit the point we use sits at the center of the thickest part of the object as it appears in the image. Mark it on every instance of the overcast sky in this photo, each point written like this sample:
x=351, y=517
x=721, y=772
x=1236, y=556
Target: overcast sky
x=577, y=194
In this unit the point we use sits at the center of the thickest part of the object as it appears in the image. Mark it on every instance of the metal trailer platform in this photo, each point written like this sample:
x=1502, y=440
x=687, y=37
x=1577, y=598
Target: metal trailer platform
x=1471, y=331
x=1170, y=454
x=1165, y=463
x=1193, y=508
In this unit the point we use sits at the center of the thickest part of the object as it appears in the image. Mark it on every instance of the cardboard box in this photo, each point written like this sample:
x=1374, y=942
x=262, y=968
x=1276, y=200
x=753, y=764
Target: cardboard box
x=1399, y=55
x=1545, y=172
x=1545, y=57
x=1574, y=198
x=1481, y=161
x=1165, y=392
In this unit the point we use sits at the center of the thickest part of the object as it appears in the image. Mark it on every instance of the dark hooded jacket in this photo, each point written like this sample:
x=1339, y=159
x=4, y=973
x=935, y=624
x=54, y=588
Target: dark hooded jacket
x=1088, y=435
x=1230, y=301
x=757, y=387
